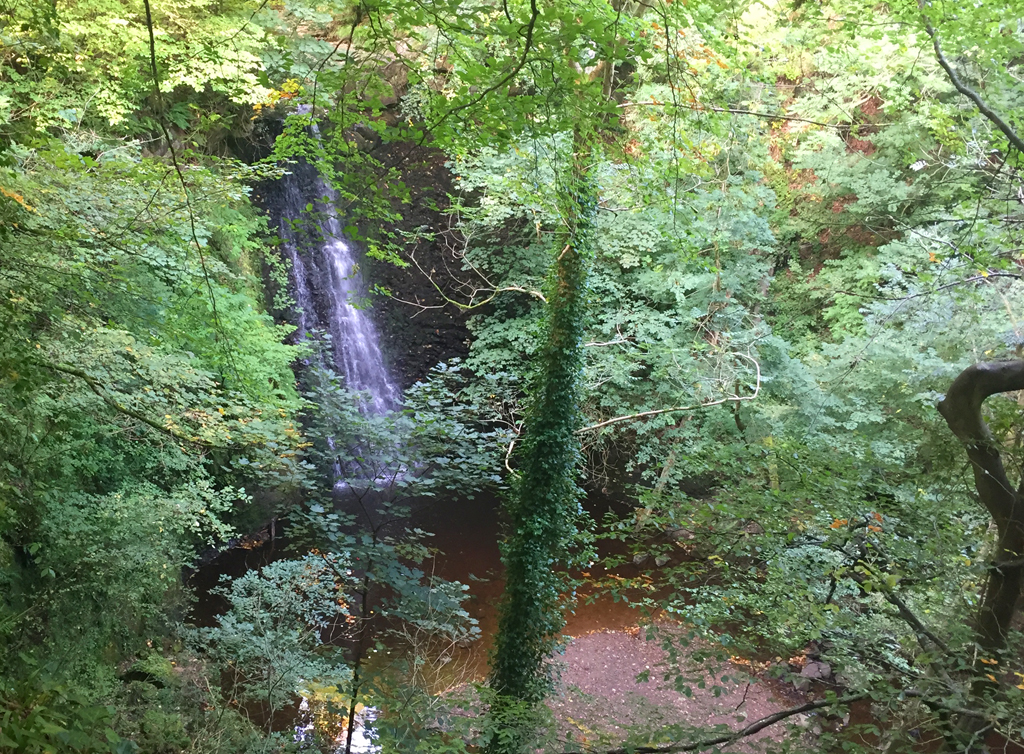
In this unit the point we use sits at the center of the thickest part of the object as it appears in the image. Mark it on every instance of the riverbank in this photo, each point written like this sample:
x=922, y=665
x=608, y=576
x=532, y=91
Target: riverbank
x=615, y=684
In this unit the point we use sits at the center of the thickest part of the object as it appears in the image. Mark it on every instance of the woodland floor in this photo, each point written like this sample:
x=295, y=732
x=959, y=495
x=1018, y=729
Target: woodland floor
x=600, y=699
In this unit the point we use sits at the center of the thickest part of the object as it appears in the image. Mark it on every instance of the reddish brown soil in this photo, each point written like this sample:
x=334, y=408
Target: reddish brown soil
x=600, y=696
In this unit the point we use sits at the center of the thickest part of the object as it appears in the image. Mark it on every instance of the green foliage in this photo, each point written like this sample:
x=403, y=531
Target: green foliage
x=543, y=507
x=38, y=716
x=270, y=644
x=841, y=265
x=120, y=381
x=674, y=293
x=142, y=367
x=397, y=601
x=84, y=69
x=856, y=264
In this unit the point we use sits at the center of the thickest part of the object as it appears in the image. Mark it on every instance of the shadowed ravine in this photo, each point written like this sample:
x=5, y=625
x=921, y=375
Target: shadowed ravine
x=330, y=311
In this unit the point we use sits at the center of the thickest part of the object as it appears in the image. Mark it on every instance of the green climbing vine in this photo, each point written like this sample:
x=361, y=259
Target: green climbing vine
x=544, y=506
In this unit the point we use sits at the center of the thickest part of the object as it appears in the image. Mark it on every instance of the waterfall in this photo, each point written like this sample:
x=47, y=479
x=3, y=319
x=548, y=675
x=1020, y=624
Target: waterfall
x=328, y=288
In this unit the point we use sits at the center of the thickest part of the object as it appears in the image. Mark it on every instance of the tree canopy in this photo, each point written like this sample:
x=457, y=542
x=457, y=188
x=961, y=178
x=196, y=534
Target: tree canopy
x=753, y=269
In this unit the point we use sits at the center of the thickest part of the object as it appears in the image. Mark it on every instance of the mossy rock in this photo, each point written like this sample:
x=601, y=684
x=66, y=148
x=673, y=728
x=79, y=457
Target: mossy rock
x=155, y=669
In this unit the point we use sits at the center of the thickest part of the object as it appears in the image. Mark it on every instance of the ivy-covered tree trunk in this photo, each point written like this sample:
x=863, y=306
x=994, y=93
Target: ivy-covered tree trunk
x=544, y=505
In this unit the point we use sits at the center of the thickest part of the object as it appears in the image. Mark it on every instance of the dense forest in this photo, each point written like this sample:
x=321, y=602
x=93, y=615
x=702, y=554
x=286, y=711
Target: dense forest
x=711, y=310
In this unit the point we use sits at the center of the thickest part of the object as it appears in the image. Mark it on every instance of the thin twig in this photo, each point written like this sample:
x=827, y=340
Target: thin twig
x=660, y=411
x=158, y=98
x=733, y=111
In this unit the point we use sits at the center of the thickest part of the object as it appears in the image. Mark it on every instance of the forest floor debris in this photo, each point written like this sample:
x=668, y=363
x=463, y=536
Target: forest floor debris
x=600, y=700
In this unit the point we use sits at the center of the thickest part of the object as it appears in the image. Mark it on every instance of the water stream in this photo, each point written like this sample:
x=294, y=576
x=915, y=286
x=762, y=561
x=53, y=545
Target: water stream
x=328, y=289
x=330, y=308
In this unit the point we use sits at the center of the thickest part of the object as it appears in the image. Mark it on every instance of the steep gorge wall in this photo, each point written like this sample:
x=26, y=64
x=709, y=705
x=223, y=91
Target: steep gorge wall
x=414, y=336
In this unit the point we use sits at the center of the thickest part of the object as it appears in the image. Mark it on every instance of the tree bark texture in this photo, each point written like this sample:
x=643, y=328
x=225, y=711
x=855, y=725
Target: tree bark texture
x=961, y=408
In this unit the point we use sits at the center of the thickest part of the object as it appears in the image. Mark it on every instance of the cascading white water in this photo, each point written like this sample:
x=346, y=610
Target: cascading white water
x=328, y=287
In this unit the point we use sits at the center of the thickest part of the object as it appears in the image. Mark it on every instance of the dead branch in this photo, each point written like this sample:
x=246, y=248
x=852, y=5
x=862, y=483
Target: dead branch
x=488, y=288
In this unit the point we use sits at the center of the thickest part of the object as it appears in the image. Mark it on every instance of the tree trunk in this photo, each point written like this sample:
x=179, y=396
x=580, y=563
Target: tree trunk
x=961, y=408
x=544, y=504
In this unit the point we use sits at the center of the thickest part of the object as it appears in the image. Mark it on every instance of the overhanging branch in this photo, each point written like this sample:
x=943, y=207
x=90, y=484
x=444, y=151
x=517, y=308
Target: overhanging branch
x=749, y=730
x=531, y=26
x=158, y=99
x=98, y=388
x=972, y=95
x=913, y=621
x=678, y=409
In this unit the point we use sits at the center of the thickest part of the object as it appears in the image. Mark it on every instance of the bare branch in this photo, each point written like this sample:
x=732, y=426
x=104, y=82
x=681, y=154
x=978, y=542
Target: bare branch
x=698, y=107
x=617, y=342
x=471, y=303
x=422, y=307
x=972, y=95
x=660, y=411
x=749, y=730
x=984, y=277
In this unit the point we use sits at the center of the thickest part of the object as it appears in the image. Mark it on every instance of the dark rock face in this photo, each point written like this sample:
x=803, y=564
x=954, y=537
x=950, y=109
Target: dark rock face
x=414, y=339
x=414, y=336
